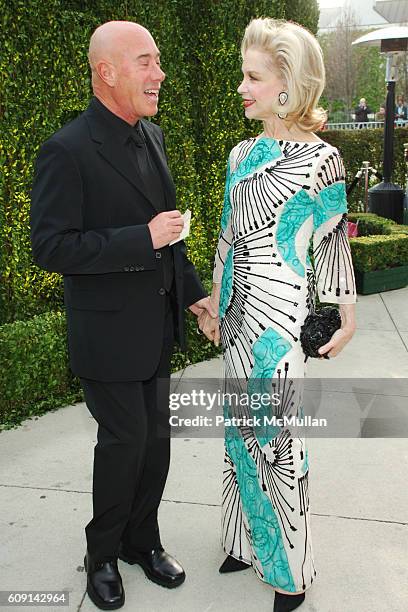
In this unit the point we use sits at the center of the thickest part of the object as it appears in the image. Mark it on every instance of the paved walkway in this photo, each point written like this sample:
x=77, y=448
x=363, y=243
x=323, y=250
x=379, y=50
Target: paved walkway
x=359, y=498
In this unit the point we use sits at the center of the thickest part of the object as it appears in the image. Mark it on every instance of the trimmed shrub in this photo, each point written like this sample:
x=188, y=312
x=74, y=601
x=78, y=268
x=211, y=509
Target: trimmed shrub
x=379, y=252
x=369, y=224
x=381, y=244
x=43, y=68
x=399, y=229
x=34, y=370
x=357, y=146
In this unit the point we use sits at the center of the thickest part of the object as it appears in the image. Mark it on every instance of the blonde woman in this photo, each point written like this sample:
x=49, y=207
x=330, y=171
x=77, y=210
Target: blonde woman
x=284, y=188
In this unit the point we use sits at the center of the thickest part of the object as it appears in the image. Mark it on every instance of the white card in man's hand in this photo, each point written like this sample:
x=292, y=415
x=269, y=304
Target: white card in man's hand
x=186, y=229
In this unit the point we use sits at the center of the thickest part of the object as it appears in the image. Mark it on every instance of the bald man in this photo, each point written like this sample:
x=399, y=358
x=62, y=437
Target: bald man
x=103, y=214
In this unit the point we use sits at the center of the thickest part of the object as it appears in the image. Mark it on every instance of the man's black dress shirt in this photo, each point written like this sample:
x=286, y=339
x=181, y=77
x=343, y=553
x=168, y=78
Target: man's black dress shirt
x=133, y=139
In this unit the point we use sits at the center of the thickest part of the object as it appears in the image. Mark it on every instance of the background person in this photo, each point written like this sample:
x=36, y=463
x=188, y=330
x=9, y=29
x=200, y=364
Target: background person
x=401, y=109
x=361, y=112
x=380, y=114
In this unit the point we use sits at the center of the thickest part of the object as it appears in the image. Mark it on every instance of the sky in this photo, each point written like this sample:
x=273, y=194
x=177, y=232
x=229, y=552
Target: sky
x=330, y=3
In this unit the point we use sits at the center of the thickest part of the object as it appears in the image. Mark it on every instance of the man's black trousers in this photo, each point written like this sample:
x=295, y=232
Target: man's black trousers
x=131, y=457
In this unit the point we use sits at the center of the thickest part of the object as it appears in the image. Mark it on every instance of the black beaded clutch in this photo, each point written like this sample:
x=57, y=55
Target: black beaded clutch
x=318, y=328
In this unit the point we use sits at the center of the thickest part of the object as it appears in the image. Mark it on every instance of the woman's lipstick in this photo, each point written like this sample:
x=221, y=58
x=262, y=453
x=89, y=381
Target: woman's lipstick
x=247, y=103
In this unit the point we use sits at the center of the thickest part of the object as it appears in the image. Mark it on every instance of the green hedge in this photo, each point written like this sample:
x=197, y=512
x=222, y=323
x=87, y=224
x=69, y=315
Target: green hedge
x=44, y=67
x=399, y=229
x=379, y=252
x=369, y=224
x=381, y=243
x=45, y=82
x=357, y=146
x=35, y=371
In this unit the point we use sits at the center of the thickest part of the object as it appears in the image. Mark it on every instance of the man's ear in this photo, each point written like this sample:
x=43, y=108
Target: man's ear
x=106, y=72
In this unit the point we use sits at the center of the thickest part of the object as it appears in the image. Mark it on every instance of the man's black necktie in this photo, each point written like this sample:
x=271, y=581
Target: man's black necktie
x=153, y=186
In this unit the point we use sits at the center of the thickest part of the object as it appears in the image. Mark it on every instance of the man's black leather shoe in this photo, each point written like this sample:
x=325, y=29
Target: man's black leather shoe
x=104, y=584
x=158, y=566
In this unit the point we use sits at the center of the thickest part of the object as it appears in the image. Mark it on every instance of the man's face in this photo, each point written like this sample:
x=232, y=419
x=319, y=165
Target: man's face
x=138, y=78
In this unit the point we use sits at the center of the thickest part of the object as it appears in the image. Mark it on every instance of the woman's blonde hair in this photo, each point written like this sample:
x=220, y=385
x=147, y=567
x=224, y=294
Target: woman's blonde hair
x=297, y=56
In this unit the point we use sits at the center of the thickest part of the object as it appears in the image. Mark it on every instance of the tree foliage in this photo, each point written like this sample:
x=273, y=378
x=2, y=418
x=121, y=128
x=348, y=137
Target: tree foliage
x=353, y=72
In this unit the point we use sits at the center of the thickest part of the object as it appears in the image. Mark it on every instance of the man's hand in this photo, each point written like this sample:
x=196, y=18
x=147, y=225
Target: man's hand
x=203, y=305
x=165, y=227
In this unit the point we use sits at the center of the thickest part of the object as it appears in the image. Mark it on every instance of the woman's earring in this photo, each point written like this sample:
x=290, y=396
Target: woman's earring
x=283, y=98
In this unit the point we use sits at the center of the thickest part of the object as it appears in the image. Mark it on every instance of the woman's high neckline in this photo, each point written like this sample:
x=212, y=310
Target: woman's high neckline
x=263, y=136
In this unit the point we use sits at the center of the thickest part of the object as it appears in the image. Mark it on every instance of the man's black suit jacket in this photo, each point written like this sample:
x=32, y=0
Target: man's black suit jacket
x=89, y=217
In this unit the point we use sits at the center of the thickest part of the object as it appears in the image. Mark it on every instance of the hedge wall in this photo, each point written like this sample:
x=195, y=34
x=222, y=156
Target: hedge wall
x=381, y=243
x=43, y=68
x=33, y=362
x=34, y=365
x=45, y=78
x=379, y=252
x=45, y=82
x=370, y=224
x=357, y=146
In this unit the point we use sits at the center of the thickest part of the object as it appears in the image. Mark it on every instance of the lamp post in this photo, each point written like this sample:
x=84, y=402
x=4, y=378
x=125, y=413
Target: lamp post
x=386, y=198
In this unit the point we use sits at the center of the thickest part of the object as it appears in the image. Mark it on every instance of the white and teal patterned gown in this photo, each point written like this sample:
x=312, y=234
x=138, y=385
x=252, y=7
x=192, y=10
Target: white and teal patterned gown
x=280, y=197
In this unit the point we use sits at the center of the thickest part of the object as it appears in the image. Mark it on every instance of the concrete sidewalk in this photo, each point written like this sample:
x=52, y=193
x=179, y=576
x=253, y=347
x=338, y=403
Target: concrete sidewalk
x=359, y=500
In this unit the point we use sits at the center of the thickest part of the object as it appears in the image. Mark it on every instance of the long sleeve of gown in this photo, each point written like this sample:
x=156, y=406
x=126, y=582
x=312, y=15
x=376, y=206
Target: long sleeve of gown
x=225, y=235
x=331, y=249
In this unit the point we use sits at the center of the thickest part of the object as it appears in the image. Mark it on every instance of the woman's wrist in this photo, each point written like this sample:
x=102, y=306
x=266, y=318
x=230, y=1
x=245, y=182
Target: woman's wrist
x=348, y=318
x=215, y=294
x=348, y=329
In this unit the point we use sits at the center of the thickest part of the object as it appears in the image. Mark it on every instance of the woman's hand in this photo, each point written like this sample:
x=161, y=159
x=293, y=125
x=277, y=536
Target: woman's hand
x=210, y=327
x=343, y=335
x=336, y=343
